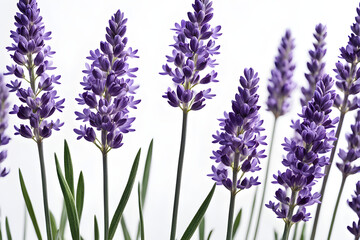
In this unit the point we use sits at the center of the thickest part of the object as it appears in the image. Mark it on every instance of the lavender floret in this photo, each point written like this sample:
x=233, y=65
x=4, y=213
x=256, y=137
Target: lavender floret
x=193, y=52
x=354, y=204
x=240, y=136
x=316, y=64
x=31, y=56
x=305, y=159
x=4, y=139
x=281, y=84
x=109, y=89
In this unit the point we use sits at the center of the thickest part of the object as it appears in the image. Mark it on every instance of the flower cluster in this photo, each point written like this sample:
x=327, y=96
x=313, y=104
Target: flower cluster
x=281, y=84
x=305, y=159
x=108, y=93
x=353, y=152
x=31, y=56
x=348, y=74
x=316, y=64
x=240, y=137
x=194, y=48
x=354, y=204
x=4, y=106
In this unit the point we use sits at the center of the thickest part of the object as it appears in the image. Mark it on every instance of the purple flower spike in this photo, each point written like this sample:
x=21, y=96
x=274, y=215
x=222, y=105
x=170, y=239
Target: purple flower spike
x=306, y=158
x=193, y=52
x=281, y=84
x=32, y=63
x=240, y=137
x=109, y=89
x=354, y=204
x=316, y=64
x=4, y=107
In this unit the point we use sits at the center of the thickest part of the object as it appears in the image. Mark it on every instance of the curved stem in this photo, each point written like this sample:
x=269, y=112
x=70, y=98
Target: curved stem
x=251, y=214
x=178, y=176
x=266, y=179
x=336, y=206
x=44, y=188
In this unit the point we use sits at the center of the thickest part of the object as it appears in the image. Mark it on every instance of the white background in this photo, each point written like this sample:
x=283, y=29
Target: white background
x=251, y=33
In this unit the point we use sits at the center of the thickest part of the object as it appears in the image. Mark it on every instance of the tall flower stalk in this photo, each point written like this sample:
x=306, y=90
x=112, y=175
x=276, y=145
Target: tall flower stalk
x=354, y=204
x=39, y=99
x=239, y=138
x=346, y=166
x=4, y=139
x=305, y=159
x=193, y=52
x=348, y=75
x=108, y=96
x=280, y=88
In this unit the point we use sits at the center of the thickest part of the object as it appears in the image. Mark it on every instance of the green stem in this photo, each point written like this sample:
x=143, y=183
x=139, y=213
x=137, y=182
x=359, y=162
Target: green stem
x=266, y=179
x=44, y=187
x=106, y=195
x=288, y=222
x=336, y=206
x=295, y=231
x=252, y=213
x=178, y=176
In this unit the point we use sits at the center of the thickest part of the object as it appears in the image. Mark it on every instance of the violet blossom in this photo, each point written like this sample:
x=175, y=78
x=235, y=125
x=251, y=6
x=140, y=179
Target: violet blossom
x=4, y=139
x=354, y=204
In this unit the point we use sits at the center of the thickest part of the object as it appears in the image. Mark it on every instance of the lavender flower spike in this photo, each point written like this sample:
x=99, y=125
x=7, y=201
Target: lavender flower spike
x=194, y=48
x=306, y=159
x=316, y=64
x=354, y=204
x=281, y=84
x=4, y=106
x=32, y=63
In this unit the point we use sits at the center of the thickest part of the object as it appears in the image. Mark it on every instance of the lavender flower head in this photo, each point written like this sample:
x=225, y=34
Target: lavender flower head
x=31, y=56
x=353, y=151
x=109, y=87
x=316, y=64
x=281, y=84
x=240, y=136
x=354, y=204
x=305, y=160
x=4, y=106
x=194, y=49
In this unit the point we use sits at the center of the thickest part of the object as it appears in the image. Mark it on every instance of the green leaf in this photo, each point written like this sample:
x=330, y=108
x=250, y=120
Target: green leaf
x=125, y=229
x=236, y=223
x=198, y=216
x=96, y=229
x=303, y=231
x=142, y=231
x=53, y=224
x=202, y=229
x=69, y=202
x=80, y=192
x=275, y=235
x=210, y=233
x=8, y=232
x=124, y=198
x=29, y=206
x=69, y=173
x=62, y=222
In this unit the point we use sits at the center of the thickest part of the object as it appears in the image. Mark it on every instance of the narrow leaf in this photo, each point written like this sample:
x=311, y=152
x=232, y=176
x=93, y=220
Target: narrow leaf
x=146, y=174
x=236, y=223
x=29, y=206
x=53, y=224
x=69, y=202
x=69, y=173
x=62, y=222
x=80, y=192
x=8, y=232
x=125, y=229
x=198, y=216
x=96, y=229
x=210, y=233
x=142, y=234
x=202, y=229
x=276, y=235
x=125, y=197
x=303, y=231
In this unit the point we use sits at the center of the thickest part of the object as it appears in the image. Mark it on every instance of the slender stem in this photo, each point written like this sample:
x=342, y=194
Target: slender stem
x=44, y=187
x=178, y=176
x=106, y=192
x=336, y=206
x=295, y=231
x=232, y=197
x=327, y=171
x=266, y=179
x=288, y=222
x=251, y=214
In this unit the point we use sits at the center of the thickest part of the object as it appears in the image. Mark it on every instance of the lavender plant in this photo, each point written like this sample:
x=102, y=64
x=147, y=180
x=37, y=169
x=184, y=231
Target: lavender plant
x=354, y=204
x=347, y=75
x=4, y=139
x=39, y=101
x=239, y=139
x=280, y=88
x=108, y=97
x=305, y=160
x=193, y=52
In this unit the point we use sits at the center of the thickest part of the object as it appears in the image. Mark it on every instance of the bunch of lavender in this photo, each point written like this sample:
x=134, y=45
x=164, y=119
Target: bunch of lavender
x=354, y=204
x=193, y=52
x=108, y=96
x=239, y=139
x=305, y=160
x=280, y=88
x=348, y=157
x=347, y=75
x=39, y=100
x=4, y=106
